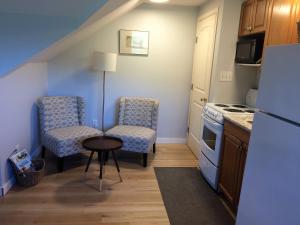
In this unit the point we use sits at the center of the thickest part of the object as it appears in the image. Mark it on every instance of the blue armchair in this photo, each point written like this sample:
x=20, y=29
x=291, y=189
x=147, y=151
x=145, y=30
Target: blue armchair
x=62, y=126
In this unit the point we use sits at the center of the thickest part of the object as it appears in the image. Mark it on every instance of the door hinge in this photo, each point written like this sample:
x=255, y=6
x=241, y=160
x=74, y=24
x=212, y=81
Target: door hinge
x=188, y=129
x=196, y=39
x=192, y=86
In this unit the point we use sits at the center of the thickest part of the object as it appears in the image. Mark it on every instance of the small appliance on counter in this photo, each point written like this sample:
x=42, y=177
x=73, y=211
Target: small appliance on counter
x=251, y=98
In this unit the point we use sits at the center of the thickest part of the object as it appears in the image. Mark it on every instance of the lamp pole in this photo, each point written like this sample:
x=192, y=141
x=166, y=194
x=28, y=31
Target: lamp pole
x=103, y=102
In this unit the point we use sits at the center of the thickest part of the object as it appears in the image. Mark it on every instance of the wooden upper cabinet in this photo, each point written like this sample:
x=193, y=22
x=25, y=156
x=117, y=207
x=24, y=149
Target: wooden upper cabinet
x=294, y=32
x=281, y=24
x=254, y=15
x=246, y=18
x=260, y=16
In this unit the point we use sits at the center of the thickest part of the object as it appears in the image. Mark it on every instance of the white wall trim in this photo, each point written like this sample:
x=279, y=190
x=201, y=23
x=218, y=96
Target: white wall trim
x=8, y=185
x=171, y=141
x=11, y=181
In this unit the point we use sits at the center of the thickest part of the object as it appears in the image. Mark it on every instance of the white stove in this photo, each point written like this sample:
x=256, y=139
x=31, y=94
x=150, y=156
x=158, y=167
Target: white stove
x=216, y=111
x=212, y=132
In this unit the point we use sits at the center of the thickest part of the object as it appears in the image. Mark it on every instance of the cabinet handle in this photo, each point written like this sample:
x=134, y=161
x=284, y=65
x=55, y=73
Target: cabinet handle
x=203, y=99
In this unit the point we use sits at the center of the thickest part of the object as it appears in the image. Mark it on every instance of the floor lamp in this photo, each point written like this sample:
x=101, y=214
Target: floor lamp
x=104, y=62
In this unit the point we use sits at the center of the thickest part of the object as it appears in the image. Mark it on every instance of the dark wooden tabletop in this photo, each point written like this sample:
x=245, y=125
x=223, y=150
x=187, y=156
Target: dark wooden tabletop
x=102, y=143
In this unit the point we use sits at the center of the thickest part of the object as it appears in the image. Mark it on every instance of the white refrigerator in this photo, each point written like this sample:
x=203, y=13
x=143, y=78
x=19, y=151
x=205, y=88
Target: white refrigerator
x=271, y=186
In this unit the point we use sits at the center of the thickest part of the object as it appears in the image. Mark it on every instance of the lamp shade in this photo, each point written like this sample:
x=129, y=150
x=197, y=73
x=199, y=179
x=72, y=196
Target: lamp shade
x=103, y=61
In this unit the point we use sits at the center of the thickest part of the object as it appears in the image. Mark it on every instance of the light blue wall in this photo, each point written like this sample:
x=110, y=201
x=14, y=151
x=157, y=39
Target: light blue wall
x=165, y=74
x=25, y=33
x=26, y=29
x=18, y=113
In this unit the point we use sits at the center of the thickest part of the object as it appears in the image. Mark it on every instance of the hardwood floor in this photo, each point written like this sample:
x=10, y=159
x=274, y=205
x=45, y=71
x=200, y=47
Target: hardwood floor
x=69, y=198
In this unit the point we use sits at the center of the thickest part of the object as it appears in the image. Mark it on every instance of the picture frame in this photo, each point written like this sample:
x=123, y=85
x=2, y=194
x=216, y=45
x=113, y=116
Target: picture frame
x=134, y=42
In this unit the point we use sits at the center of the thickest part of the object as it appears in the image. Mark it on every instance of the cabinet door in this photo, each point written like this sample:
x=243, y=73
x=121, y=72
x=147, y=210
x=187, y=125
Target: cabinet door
x=280, y=24
x=241, y=172
x=246, y=18
x=260, y=16
x=230, y=167
x=294, y=32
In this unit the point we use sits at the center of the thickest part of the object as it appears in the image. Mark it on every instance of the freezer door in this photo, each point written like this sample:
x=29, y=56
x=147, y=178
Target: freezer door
x=271, y=186
x=279, y=87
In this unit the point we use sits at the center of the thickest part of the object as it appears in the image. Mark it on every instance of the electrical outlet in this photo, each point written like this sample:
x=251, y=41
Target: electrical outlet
x=226, y=76
x=95, y=123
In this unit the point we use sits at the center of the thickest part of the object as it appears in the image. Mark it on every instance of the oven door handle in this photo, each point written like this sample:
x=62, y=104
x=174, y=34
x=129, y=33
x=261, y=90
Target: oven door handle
x=212, y=123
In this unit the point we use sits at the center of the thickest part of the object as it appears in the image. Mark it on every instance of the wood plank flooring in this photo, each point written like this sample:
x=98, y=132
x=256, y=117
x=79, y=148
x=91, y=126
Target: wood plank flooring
x=72, y=199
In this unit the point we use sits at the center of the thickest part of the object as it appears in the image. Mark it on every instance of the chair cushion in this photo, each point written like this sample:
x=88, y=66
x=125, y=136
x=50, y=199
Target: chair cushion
x=68, y=141
x=135, y=138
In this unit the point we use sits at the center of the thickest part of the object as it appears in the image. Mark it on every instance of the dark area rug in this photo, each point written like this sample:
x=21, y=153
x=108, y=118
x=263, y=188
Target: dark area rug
x=188, y=198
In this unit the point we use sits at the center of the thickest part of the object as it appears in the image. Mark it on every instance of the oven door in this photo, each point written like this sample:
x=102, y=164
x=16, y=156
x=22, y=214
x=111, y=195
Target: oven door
x=211, y=140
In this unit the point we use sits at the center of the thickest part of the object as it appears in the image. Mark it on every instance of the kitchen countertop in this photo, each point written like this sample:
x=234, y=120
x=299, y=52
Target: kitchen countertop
x=243, y=121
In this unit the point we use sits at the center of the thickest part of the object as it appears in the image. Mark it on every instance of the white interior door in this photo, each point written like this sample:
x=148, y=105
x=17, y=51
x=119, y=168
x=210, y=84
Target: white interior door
x=202, y=68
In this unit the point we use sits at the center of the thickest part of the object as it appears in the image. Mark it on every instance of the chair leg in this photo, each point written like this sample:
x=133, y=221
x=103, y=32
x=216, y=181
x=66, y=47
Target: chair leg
x=145, y=159
x=60, y=164
x=154, y=148
x=43, y=152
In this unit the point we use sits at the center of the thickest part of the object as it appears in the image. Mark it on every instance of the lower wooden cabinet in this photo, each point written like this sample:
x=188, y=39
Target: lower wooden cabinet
x=235, y=145
x=241, y=172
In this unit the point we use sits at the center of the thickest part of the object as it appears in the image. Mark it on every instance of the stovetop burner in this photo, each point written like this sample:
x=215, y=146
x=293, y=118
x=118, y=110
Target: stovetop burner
x=239, y=106
x=222, y=105
x=234, y=110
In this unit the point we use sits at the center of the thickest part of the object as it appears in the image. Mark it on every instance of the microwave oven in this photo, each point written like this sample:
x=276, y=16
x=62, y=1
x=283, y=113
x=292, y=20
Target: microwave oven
x=249, y=50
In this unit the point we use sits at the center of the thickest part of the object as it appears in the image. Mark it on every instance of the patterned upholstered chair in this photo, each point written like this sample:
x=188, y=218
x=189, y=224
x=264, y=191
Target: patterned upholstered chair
x=62, y=126
x=137, y=125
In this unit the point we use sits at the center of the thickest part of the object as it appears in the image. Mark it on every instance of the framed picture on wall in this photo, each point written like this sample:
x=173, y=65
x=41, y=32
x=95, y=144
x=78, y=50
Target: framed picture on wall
x=133, y=42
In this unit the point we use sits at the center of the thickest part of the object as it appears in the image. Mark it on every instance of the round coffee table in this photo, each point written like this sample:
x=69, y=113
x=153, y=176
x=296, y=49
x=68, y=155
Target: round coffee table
x=103, y=145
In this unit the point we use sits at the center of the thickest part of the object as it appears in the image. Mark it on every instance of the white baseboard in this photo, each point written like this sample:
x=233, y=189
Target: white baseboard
x=8, y=185
x=11, y=180
x=171, y=141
